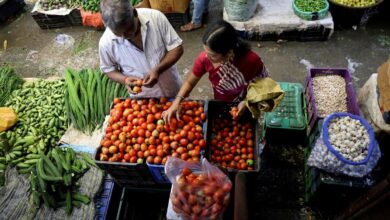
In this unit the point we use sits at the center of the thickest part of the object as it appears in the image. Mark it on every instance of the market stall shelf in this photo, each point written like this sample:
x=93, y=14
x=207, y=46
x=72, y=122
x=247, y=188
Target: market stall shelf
x=289, y=119
x=275, y=20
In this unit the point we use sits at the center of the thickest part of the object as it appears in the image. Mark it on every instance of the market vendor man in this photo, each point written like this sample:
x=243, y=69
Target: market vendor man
x=140, y=44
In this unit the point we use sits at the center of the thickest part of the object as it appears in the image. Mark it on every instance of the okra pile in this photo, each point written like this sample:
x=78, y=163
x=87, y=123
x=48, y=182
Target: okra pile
x=88, y=97
x=310, y=5
x=54, y=179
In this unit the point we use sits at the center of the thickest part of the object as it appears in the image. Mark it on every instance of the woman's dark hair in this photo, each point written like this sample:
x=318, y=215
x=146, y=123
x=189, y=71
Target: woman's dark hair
x=221, y=37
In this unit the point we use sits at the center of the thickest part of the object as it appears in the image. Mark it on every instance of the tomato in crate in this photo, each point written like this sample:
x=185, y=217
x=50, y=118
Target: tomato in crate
x=233, y=143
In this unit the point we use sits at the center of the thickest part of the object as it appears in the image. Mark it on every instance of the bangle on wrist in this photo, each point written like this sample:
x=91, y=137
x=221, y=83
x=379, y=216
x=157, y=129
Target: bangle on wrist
x=181, y=97
x=126, y=80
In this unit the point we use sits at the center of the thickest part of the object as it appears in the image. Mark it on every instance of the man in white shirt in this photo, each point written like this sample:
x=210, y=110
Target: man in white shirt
x=140, y=44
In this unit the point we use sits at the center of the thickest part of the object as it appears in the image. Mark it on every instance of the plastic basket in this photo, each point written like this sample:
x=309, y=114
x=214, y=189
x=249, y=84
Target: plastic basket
x=289, y=118
x=158, y=170
x=220, y=109
x=57, y=21
x=312, y=114
x=311, y=16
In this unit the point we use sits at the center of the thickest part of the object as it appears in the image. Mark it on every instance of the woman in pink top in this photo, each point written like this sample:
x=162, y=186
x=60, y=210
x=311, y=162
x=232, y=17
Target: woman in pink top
x=231, y=65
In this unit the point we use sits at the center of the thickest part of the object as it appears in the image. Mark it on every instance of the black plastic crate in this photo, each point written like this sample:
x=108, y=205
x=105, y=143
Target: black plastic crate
x=322, y=186
x=220, y=109
x=58, y=21
x=10, y=8
x=107, y=201
x=320, y=33
x=126, y=174
x=136, y=205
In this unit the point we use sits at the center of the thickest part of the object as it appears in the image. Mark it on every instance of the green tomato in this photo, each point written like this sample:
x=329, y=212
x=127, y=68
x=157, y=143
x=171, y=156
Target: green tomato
x=249, y=162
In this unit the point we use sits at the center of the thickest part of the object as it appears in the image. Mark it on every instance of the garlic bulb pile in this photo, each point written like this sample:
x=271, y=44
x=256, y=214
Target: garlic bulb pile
x=349, y=137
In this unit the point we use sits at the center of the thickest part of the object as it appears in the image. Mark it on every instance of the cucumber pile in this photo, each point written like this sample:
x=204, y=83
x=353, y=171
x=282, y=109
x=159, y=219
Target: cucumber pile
x=54, y=179
x=42, y=122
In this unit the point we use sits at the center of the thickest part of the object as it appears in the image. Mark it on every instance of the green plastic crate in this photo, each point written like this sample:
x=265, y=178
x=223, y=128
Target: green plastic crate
x=289, y=118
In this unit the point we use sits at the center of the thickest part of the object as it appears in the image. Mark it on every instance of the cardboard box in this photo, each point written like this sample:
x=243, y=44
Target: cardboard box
x=170, y=6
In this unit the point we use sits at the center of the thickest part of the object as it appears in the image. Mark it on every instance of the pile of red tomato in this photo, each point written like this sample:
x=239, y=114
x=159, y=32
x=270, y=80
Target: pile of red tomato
x=232, y=144
x=200, y=196
x=136, y=132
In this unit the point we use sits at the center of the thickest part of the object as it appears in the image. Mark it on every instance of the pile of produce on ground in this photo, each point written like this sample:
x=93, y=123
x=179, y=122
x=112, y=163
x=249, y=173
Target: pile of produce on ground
x=57, y=4
x=356, y=3
x=136, y=132
x=91, y=5
x=9, y=82
x=349, y=137
x=310, y=5
x=330, y=94
x=54, y=179
x=88, y=97
x=42, y=121
x=232, y=144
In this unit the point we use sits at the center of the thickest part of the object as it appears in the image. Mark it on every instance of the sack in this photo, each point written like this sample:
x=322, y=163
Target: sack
x=170, y=6
x=263, y=95
x=384, y=86
x=7, y=118
x=368, y=103
x=350, y=159
x=240, y=10
x=199, y=189
x=92, y=19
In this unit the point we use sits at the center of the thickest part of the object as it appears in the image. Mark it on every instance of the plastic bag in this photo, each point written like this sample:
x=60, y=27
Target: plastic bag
x=199, y=189
x=263, y=95
x=7, y=118
x=92, y=19
x=325, y=156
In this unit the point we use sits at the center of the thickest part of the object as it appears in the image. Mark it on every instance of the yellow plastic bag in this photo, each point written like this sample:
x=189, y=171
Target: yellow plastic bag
x=263, y=95
x=7, y=118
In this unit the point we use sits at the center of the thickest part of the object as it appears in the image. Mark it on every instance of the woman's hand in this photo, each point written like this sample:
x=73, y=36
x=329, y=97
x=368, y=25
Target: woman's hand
x=241, y=109
x=172, y=111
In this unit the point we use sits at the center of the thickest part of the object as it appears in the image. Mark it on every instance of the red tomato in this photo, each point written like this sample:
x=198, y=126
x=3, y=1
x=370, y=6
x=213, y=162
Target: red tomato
x=183, y=142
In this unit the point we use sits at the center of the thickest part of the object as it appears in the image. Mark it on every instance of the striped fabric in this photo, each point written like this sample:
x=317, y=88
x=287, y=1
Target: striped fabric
x=158, y=37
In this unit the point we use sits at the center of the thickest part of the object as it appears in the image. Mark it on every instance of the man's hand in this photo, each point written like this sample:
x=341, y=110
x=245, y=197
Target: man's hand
x=151, y=78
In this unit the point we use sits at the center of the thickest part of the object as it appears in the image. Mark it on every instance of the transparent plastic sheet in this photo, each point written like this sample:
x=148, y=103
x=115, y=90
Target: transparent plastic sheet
x=325, y=157
x=209, y=205
x=15, y=198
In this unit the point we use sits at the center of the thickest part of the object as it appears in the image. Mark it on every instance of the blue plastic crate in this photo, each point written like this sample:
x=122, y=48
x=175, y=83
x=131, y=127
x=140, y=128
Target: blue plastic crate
x=158, y=171
x=104, y=201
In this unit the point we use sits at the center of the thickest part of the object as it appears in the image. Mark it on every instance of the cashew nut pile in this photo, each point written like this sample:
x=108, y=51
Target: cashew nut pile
x=349, y=137
x=330, y=94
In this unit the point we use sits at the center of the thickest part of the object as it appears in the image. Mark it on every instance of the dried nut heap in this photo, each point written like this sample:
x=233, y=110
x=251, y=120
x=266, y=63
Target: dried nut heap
x=349, y=137
x=330, y=94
